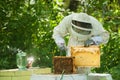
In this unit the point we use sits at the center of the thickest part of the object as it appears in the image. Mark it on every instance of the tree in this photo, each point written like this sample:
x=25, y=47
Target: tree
x=28, y=25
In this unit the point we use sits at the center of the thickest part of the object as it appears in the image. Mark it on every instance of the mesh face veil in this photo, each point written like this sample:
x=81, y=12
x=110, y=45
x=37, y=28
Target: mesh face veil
x=81, y=24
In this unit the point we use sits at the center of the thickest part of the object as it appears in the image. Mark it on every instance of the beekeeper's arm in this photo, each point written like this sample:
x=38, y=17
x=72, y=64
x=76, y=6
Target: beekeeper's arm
x=101, y=36
x=60, y=31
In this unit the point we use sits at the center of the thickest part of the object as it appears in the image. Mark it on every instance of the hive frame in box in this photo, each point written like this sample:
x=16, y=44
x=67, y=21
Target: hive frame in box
x=63, y=63
x=86, y=56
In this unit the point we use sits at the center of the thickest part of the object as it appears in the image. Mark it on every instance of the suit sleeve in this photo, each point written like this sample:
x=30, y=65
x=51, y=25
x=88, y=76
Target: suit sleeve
x=61, y=30
x=100, y=35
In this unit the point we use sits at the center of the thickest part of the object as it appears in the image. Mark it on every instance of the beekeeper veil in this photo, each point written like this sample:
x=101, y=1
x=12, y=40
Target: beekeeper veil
x=81, y=24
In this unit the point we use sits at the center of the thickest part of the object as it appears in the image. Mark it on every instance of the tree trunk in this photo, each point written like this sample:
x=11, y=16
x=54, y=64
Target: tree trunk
x=71, y=4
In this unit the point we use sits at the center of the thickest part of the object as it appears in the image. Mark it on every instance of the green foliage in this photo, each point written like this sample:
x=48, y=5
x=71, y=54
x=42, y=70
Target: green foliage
x=115, y=71
x=110, y=56
x=110, y=53
x=28, y=26
x=9, y=29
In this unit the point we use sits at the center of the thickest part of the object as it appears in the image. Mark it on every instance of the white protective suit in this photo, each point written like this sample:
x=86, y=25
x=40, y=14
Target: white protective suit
x=98, y=33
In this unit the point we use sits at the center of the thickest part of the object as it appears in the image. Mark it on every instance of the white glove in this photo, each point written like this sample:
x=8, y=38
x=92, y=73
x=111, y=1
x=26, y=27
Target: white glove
x=60, y=43
x=97, y=39
x=89, y=42
x=61, y=46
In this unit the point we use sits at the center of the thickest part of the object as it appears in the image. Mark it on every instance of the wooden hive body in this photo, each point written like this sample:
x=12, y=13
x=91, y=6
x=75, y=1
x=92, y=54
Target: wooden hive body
x=63, y=63
x=86, y=56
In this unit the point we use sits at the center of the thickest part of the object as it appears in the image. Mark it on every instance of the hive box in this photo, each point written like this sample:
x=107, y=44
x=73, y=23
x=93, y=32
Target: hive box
x=63, y=64
x=86, y=56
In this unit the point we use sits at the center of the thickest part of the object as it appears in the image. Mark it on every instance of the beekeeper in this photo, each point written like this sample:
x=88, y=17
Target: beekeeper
x=82, y=29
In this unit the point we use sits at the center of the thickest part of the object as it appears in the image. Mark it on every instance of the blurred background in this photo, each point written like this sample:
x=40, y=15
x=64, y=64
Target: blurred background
x=28, y=25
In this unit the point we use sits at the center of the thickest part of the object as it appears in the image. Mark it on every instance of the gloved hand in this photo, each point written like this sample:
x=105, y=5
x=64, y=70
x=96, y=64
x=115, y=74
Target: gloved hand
x=62, y=49
x=61, y=46
x=89, y=42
